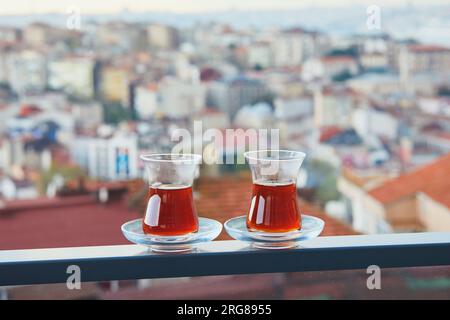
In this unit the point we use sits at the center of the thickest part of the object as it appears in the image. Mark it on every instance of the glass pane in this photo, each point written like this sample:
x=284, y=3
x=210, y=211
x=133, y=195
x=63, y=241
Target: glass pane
x=402, y=283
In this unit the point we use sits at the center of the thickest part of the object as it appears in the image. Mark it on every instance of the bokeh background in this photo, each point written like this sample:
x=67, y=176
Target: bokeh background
x=87, y=86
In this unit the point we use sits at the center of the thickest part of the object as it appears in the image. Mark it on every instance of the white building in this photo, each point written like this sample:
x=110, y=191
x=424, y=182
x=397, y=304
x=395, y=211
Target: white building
x=286, y=109
x=171, y=98
x=370, y=122
x=259, y=55
x=231, y=94
x=26, y=71
x=7, y=112
x=374, y=61
x=294, y=118
x=116, y=36
x=9, y=34
x=329, y=67
x=212, y=118
x=87, y=115
x=259, y=115
x=180, y=99
x=387, y=83
x=110, y=158
x=375, y=84
x=288, y=49
x=427, y=58
x=186, y=71
x=12, y=154
x=333, y=107
x=162, y=36
x=3, y=68
x=17, y=189
x=74, y=75
x=146, y=101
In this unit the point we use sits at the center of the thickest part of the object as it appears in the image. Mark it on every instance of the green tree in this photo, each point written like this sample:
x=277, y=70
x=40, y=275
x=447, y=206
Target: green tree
x=327, y=181
x=350, y=51
x=115, y=113
x=258, y=67
x=343, y=76
x=68, y=173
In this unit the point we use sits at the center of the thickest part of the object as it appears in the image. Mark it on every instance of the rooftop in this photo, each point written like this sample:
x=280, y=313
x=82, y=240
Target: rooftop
x=328, y=132
x=437, y=184
x=424, y=48
x=337, y=59
x=63, y=222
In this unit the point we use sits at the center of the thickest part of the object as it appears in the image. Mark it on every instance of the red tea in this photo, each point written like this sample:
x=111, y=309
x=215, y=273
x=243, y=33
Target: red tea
x=274, y=208
x=170, y=211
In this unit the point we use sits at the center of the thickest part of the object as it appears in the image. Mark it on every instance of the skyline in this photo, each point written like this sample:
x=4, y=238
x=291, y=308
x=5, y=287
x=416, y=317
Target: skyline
x=29, y=7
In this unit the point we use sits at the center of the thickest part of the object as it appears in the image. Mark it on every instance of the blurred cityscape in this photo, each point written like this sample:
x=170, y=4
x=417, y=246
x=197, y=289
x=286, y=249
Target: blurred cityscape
x=78, y=106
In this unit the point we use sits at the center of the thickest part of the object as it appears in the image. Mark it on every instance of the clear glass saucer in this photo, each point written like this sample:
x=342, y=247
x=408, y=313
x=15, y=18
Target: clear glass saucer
x=208, y=230
x=311, y=228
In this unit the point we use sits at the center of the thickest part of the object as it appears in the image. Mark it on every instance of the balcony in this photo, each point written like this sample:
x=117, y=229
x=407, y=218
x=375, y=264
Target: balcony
x=125, y=262
x=111, y=260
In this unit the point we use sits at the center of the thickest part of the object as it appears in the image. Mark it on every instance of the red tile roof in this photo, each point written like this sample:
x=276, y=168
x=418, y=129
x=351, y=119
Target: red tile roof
x=337, y=59
x=423, y=48
x=328, y=132
x=438, y=134
x=432, y=179
x=210, y=111
x=29, y=110
x=62, y=222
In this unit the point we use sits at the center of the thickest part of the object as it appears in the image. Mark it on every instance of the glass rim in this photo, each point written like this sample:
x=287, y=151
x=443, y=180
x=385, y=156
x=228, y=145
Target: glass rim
x=254, y=155
x=183, y=157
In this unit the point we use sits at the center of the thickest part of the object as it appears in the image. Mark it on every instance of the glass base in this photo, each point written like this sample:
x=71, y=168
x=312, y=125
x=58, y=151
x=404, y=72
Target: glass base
x=311, y=228
x=274, y=245
x=171, y=248
x=208, y=230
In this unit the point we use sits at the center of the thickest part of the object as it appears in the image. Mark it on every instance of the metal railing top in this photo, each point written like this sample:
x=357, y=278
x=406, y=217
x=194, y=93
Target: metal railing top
x=102, y=263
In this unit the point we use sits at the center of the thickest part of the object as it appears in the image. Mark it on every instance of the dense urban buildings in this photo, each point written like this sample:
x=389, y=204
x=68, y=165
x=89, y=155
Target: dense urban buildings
x=77, y=107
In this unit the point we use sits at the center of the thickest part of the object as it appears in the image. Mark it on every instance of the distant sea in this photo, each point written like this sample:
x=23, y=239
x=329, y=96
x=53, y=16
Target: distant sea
x=429, y=24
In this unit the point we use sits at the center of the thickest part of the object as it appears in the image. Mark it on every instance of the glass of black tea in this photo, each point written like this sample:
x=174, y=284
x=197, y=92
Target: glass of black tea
x=274, y=206
x=170, y=204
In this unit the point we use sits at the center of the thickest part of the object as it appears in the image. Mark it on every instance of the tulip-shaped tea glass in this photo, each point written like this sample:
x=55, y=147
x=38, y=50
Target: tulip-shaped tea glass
x=170, y=204
x=274, y=206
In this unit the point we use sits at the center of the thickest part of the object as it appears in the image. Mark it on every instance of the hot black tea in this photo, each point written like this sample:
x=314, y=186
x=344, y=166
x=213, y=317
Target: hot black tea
x=274, y=208
x=170, y=211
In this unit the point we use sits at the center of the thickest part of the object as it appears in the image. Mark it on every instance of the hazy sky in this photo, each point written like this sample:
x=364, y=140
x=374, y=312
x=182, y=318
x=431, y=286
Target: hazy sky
x=113, y=6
